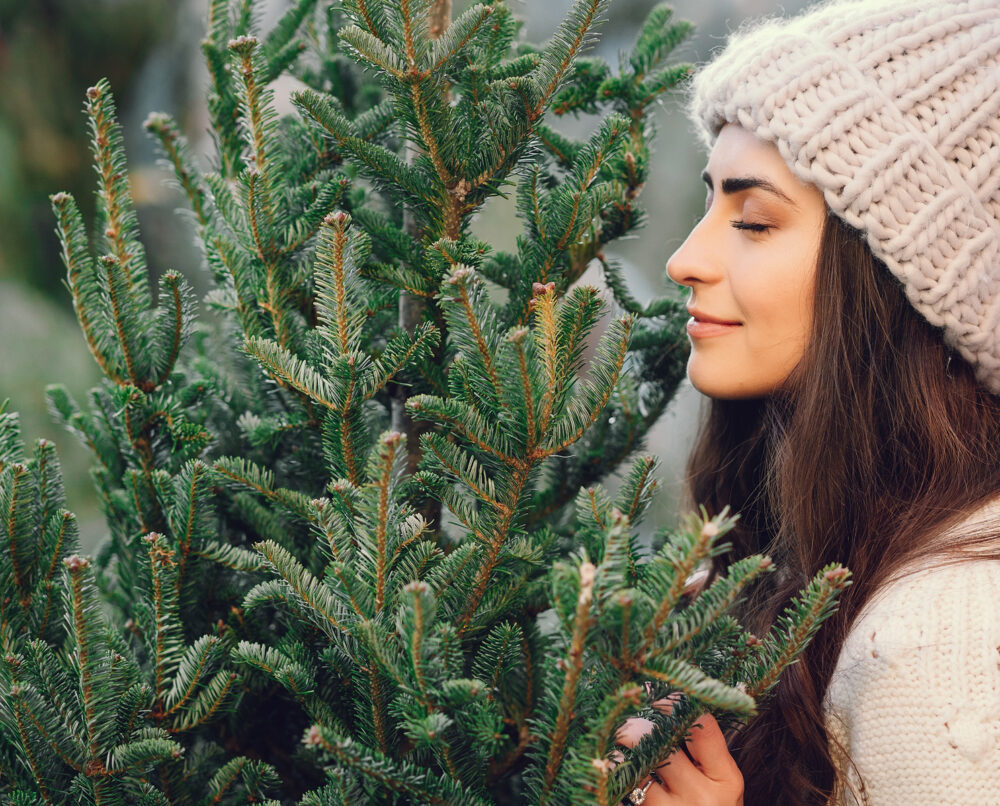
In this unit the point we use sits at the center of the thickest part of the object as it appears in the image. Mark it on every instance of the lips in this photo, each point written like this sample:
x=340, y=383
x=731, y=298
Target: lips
x=702, y=325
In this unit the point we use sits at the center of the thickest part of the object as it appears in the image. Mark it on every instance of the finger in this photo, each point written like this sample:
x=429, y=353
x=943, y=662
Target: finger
x=707, y=747
x=656, y=795
x=694, y=583
x=632, y=731
x=679, y=775
x=666, y=704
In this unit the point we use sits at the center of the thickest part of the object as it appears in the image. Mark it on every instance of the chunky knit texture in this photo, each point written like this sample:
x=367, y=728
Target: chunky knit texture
x=915, y=697
x=892, y=108
x=914, y=700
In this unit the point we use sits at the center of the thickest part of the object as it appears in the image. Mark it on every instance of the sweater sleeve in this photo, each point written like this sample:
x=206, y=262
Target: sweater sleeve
x=913, y=706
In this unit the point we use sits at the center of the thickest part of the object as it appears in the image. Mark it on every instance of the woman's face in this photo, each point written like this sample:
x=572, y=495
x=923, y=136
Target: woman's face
x=750, y=264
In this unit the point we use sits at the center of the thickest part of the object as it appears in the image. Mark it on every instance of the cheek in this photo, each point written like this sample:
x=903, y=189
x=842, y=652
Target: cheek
x=778, y=310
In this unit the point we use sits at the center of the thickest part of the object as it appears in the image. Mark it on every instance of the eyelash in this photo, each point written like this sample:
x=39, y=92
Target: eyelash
x=743, y=225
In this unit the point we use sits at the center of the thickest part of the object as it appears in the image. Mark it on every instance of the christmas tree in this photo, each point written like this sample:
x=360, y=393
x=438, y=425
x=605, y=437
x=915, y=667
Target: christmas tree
x=357, y=547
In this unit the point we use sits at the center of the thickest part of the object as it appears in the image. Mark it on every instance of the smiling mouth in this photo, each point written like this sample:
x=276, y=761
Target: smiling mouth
x=698, y=316
x=700, y=326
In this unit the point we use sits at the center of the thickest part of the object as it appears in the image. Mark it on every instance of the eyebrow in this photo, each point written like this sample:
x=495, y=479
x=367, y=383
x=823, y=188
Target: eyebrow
x=736, y=184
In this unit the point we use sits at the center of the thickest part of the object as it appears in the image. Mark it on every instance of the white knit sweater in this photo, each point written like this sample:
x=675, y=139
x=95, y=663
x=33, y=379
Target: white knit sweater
x=914, y=699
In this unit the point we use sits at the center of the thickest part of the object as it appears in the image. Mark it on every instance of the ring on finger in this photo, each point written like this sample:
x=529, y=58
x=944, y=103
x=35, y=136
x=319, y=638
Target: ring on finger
x=637, y=795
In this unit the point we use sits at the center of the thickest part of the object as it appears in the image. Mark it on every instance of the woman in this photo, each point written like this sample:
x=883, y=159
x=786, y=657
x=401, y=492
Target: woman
x=844, y=291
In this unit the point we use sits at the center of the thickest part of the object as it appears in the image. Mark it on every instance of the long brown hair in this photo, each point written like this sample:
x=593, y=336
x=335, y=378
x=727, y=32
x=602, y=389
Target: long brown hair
x=879, y=442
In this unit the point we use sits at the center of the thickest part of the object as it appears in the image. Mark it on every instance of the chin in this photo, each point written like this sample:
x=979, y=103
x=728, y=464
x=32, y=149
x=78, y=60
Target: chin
x=728, y=392
x=731, y=385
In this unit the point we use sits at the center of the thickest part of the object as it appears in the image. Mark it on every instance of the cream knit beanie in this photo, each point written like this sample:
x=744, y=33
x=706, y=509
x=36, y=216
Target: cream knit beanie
x=891, y=108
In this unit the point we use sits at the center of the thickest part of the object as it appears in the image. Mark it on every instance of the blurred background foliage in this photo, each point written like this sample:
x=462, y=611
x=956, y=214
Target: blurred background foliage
x=52, y=50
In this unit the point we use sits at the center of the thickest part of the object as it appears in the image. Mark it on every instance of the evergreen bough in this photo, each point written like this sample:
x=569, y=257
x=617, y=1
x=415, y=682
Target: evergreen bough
x=356, y=549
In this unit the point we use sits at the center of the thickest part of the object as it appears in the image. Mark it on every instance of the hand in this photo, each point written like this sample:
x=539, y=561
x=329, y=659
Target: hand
x=709, y=777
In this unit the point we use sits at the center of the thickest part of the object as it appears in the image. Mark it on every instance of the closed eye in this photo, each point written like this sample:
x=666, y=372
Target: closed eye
x=746, y=225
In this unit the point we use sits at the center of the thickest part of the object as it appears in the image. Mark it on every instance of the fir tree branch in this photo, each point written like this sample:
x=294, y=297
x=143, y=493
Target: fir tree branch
x=305, y=226
x=702, y=535
x=172, y=280
x=408, y=34
x=373, y=50
x=450, y=40
x=381, y=162
x=658, y=744
x=294, y=373
x=19, y=713
x=228, y=254
x=279, y=39
x=462, y=509
x=261, y=187
x=142, y=753
x=661, y=306
x=38, y=717
x=565, y=46
x=517, y=338
x=582, y=622
x=177, y=152
x=689, y=679
x=399, y=353
x=223, y=103
x=459, y=281
x=14, y=524
x=497, y=539
x=211, y=699
x=67, y=523
x=380, y=715
x=124, y=319
x=81, y=276
x=184, y=542
x=641, y=490
x=657, y=38
x=348, y=586
x=471, y=475
x=416, y=590
x=588, y=163
x=710, y=605
x=230, y=556
x=335, y=264
x=116, y=202
x=795, y=628
x=346, y=442
x=201, y=652
x=433, y=150
x=625, y=699
x=275, y=302
x=361, y=8
x=560, y=147
x=247, y=474
x=165, y=617
x=596, y=393
x=82, y=631
x=462, y=420
x=440, y=14
x=224, y=780
x=424, y=788
x=388, y=445
x=317, y=600
x=257, y=111
x=543, y=304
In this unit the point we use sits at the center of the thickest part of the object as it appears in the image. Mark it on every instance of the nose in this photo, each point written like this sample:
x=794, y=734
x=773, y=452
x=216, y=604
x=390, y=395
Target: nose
x=694, y=261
